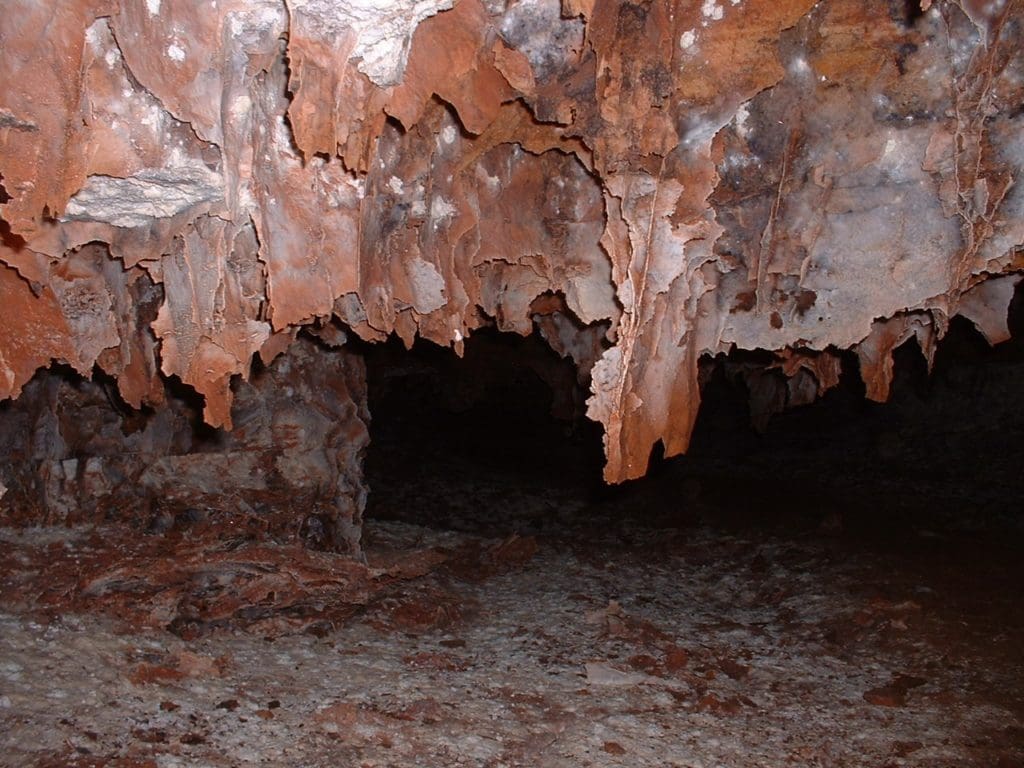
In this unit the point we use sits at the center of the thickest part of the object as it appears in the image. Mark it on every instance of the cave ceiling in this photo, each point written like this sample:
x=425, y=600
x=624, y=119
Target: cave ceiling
x=187, y=185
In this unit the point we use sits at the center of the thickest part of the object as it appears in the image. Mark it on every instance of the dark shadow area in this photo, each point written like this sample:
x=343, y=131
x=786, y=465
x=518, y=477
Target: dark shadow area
x=493, y=441
x=907, y=12
x=943, y=452
x=497, y=443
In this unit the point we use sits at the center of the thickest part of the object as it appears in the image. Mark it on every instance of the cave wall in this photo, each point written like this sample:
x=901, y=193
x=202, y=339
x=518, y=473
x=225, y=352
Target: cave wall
x=75, y=452
x=647, y=183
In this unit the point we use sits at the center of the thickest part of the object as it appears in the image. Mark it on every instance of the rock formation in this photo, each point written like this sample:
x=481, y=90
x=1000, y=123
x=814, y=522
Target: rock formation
x=185, y=191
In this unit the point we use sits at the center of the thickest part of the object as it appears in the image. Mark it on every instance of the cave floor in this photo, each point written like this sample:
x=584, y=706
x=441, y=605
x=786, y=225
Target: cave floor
x=586, y=636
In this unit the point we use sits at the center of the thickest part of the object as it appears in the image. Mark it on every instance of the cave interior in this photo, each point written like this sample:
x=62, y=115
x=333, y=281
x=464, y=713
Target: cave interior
x=511, y=383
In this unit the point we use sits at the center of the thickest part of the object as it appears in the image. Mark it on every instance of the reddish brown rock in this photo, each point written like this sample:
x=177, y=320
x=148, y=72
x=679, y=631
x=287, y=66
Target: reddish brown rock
x=183, y=191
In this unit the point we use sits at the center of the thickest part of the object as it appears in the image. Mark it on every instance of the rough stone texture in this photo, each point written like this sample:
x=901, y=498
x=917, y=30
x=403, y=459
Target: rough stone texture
x=293, y=462
x=688, y=176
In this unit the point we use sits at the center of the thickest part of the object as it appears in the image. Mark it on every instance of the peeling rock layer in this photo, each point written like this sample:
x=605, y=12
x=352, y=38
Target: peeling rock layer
x=184, y=191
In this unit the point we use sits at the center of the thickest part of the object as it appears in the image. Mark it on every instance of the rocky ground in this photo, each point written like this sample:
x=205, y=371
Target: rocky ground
x=590, y=636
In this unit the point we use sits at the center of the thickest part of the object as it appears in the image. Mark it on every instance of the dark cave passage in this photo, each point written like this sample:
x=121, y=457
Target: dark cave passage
x=496, y=442
x=493, y=441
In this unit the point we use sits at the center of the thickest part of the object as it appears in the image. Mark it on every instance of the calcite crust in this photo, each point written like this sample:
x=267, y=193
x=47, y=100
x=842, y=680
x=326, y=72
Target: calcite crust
x=645, y=182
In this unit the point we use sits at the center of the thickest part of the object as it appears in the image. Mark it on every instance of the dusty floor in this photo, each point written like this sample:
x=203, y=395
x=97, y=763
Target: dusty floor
x=705, y=644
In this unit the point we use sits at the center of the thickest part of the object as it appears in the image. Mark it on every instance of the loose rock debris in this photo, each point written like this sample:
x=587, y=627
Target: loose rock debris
x=716, y=647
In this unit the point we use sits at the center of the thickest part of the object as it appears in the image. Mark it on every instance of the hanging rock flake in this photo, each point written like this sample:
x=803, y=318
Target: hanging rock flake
x=690, y=177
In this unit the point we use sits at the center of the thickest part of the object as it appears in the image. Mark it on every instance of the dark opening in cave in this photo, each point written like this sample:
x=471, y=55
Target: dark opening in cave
x=493, y=441
x=496, y=442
